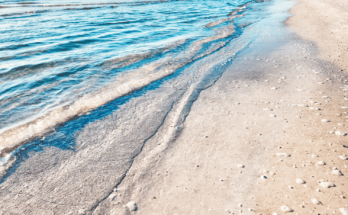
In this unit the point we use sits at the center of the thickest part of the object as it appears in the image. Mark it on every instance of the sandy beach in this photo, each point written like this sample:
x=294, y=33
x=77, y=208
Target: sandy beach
x=267, y=137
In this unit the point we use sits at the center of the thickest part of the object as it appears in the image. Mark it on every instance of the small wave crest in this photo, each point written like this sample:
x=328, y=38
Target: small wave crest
x=124, y=84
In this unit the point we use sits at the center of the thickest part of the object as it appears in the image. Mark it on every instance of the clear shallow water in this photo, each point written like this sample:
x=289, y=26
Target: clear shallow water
x=63, y=59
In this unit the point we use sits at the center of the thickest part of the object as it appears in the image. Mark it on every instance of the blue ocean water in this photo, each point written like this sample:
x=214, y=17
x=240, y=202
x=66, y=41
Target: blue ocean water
x=61, y=59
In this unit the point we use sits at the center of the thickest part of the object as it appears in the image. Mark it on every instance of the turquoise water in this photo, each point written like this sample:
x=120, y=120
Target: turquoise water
x=61, y=59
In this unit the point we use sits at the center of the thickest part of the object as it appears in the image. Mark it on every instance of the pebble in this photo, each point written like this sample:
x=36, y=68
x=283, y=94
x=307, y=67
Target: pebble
x=316, y=201
x=132, y=206
x=286, y=209
x=275, y=214
x=325, y=97
x=344, y=211
x=326, y=184
x=240, y=166
x=283, y=155
x=325, y=120
x=344, y=107
x=300, y=181
x=272, y=115
x=273, y=88
x=314, y=108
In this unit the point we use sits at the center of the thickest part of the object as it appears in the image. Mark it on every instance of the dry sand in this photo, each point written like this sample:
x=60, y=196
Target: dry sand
x=263, y=126
x=325, y=22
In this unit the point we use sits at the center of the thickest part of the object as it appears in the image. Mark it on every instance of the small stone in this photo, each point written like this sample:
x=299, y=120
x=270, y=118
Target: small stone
x=314, y=156
x=272, y=115
x=325, y=120
x=132, y=206
x=275, y=214
x=318, y=190
x=316, y=201
x=240, y=166
x=273, y=88
x=286, y=209
x=263, y=177
x=300, y=181
x=344, y=107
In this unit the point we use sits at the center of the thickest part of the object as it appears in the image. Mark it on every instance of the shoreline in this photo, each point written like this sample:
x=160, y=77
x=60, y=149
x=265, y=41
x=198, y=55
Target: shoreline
x=235, y=142
x=191, y=177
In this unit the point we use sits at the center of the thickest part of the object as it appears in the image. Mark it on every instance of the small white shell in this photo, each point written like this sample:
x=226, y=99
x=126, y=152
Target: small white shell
x=286, y=209
x=316, y=201
x=337, y=172
x=300, y=181
x=343, y=157
x=344, y=211
x=132, y=206
x=240, y=166
x=320, y=163
x=112, y=196
x=326, y=184
x=81, y=212
x=339, y=133
x=283, y=155
x=325, y=120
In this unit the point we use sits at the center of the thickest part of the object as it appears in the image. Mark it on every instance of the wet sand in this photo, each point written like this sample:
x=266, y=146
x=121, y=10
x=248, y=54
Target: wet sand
x=276, y=116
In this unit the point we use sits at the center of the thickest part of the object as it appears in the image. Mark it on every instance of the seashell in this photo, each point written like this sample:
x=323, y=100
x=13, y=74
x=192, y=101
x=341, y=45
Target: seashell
x=81, y=212
x=326, y=184
x=286, y=209
x=240, y=166
x=316, y=201
x=112, y=197
x=340, y=133
x=325, y=120
x=273, y=88
x=343, y=157
x=320, y=163
x=132, y=206
x=283, y=155
x=300, y=181
x=344, y=211
x=336, y=172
